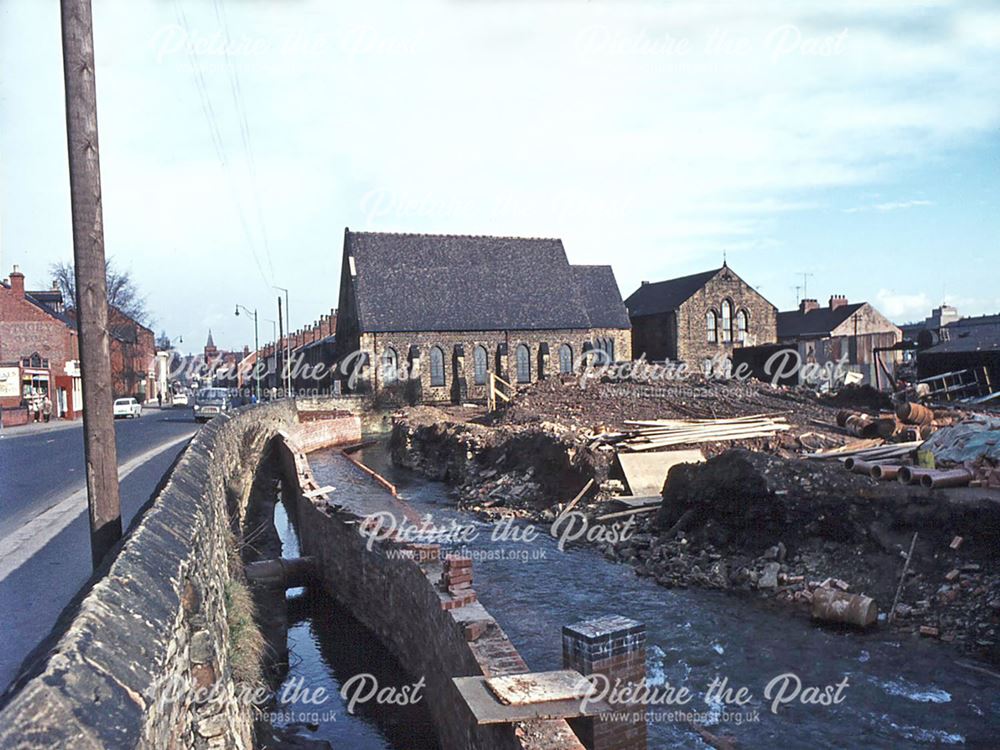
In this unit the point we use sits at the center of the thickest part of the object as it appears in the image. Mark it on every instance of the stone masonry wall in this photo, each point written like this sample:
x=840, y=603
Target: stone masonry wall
x=693, y=345
x=375, y=344
x=433, y=634
x=156, y=618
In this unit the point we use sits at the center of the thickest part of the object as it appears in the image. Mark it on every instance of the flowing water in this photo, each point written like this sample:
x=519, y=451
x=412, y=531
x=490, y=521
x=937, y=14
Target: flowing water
x=326, y=647
x=899, y=694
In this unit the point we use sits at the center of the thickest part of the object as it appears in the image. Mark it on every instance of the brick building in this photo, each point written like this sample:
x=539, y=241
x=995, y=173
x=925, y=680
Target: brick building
x=698, y=318
x=39, y=352
x=436, y=314
x=133, y=357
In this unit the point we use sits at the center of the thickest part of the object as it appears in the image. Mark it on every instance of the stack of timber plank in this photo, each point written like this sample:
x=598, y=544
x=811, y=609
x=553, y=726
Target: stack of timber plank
x=649, y=435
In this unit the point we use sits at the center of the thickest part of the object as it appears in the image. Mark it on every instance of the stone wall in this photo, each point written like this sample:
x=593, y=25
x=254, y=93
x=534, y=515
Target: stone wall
x=693, y=345
x=156, y=617
x=461, y=368
x=432, y=633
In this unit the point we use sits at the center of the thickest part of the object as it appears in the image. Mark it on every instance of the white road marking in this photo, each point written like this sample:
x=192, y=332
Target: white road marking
x=19, y=546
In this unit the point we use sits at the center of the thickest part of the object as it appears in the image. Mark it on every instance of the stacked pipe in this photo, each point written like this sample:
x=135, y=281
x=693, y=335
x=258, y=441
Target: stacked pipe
x=935, y=479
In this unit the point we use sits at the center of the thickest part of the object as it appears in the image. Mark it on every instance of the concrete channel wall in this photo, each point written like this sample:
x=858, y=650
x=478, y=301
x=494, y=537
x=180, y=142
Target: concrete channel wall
x=392, y=589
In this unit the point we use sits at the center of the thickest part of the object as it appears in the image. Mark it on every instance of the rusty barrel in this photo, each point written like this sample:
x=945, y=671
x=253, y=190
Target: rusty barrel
x=917, y=414
x=832, y=605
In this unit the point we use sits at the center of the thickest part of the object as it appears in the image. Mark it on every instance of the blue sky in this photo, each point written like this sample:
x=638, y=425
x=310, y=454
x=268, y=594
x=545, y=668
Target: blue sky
x=854, y=141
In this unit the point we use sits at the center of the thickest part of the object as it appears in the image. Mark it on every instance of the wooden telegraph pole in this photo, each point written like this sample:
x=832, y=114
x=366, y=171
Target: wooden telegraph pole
x=91, y=285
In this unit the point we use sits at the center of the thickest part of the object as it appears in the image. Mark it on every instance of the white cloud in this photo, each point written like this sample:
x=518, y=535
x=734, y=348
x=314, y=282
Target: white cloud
x=889, y=206
x=579, y=120
x=903, y=306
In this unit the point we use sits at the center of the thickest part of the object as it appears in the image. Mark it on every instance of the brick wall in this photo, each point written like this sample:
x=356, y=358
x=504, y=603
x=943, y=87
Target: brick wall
x=503, y=365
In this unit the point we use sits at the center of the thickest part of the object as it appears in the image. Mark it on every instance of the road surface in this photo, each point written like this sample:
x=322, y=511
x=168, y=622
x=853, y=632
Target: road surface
x=44, y=528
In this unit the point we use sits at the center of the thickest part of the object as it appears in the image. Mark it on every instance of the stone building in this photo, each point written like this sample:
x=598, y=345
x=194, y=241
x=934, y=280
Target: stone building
x=699, y=318
x=435, y=314
x=39, y=352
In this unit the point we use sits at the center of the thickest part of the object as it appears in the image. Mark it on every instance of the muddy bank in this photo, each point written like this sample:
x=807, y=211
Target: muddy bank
x=744, y=521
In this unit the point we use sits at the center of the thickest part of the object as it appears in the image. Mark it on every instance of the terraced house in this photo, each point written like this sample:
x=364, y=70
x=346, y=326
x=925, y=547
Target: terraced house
x=698, y=318
x=436, y=314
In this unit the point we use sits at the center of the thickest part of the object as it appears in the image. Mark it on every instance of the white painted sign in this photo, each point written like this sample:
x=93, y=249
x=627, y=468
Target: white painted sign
x=10, y=386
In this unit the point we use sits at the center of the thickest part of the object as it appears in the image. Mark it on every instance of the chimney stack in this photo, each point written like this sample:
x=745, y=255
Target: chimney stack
x=17, y=283
x=808, y=305
x=837, y=300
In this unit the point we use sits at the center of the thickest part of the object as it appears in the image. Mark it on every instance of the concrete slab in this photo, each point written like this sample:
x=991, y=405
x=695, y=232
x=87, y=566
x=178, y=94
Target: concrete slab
x=645, y=473
x=486, y=709
x=539, y=687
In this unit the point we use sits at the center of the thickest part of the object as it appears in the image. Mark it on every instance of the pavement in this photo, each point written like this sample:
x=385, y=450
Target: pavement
x=44, y=527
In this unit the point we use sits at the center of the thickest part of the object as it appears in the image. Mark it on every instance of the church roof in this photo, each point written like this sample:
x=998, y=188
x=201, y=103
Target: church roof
x=434, y=282
x=666, y=296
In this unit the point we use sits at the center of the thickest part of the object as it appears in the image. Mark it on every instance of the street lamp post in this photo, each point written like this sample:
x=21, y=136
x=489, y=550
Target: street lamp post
x=288, y=344
x=256, y=346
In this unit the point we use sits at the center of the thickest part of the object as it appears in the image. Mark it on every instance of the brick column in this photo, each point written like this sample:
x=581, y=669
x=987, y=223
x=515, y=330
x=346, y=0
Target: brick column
x=615, y=647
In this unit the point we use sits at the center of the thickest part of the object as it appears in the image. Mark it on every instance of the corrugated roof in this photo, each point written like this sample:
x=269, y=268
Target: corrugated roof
x=821, y=321
x=666, y=296
x=424, y=282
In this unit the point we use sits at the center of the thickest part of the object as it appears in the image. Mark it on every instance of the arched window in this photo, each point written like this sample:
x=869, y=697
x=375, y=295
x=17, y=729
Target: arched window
x=437, y=366
x=727, y=320
x=523, y=364
x=565, y=359
x=712, y=325
x=742, y=326
x=609, y=349
x=479, y=358
x=390, y=366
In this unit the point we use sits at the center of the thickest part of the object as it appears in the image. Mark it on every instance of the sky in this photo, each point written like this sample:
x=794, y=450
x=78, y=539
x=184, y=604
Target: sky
x=851, y=147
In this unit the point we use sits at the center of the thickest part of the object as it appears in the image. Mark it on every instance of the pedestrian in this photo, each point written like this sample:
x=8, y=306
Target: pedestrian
x=159, y=400
x=47, y=408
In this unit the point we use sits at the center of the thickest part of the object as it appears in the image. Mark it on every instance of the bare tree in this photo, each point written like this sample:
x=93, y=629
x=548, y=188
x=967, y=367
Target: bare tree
x=123, y=293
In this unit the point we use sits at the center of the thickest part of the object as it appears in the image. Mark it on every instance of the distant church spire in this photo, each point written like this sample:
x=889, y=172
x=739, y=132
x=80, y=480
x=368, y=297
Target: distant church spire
x=210, y=344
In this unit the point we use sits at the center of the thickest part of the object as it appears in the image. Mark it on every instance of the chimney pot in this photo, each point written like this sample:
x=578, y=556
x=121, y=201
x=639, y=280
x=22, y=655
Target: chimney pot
x=645, y=283
x=837, y=300
x=808, y=305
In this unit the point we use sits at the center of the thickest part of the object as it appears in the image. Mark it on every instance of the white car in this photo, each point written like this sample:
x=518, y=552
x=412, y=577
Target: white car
x=127, y=407
x=179, y=399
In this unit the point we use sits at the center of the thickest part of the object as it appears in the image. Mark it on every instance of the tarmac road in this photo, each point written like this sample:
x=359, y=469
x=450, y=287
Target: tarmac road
x=44, y=527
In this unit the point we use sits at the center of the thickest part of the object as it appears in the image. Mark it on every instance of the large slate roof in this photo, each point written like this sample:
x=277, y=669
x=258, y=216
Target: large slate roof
x=424, y=282
x=666, y=296
x=980, y=334
x=822, y=320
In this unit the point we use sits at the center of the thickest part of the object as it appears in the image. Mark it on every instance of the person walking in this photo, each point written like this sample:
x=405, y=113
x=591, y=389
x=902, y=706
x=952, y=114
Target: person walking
x=159, y=400
x=47, y=408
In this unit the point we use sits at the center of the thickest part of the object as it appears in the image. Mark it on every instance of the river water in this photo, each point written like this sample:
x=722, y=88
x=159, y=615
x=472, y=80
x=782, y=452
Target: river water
x=898, y=694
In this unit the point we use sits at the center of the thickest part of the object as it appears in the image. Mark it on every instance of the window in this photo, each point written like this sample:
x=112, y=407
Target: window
x=523, y=364
x=437, y=367
x=712, y=325
x=742, y=326
x=565, y=359
x=727, y=320
x=390, y=366
x=479, y=358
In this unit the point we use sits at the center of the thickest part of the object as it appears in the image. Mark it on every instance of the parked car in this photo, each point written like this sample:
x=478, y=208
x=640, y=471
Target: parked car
x=127, y=407
x=210, y=402
x=180, y=399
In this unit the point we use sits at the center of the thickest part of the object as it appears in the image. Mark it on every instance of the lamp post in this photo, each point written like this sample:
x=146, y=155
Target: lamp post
x=256, y=346
x=288, y=343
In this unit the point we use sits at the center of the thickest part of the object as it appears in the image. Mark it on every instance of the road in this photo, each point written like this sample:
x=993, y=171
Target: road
x=44, y=528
